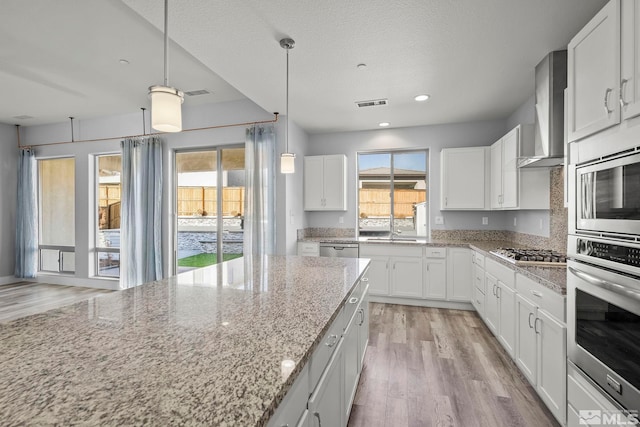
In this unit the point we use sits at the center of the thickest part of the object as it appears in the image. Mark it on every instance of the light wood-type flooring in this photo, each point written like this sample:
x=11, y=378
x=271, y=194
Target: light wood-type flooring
x=438, y=367
x=26, y=298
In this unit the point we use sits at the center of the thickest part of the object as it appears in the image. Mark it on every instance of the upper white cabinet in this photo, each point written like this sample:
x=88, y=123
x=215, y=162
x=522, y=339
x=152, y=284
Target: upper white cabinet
x=630, y=72
x=594, y=80
x=325, y=185
x=512, y=187
x=464, y=179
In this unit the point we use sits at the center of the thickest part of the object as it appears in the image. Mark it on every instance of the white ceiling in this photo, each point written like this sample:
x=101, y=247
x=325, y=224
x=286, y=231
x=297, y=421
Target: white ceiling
x=475, y=58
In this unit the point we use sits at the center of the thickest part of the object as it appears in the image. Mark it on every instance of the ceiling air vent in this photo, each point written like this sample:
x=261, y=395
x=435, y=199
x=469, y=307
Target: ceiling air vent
x=372, y=103
x=197, y=92
x=24, y=117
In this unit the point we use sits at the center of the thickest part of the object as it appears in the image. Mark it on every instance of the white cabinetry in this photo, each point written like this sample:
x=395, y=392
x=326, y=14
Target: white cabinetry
x=308, y=248
x=541, y=343
x=512, y=187
x=500, y=304
x=459, y=277
x=604, y=70
x=435, y=273
x=464, y=178
x=630, y=70
x=327, y=401
x=479, y=283
x=394, y=270
x=325, y=186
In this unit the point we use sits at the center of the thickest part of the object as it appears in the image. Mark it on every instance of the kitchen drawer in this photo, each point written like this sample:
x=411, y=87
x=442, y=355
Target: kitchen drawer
x=308, y=248
x=478, y=300
x=478, y=259
x=326, y=346
x=548, y=300
x=582, y=395
x=353, y=300
x=503, y=273
x=430, y=252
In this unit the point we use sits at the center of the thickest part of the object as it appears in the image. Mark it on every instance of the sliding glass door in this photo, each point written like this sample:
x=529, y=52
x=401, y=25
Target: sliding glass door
x=209, y=198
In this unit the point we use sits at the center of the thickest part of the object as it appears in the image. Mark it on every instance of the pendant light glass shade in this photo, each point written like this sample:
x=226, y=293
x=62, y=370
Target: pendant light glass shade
x=166, y=108
x=287, y=163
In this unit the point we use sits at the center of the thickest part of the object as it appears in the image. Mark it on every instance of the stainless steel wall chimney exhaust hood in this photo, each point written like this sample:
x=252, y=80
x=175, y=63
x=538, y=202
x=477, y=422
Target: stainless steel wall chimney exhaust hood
x=551, y=81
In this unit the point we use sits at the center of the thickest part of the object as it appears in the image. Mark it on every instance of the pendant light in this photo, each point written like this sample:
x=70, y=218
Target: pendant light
x=166, y=101
x=287, y=160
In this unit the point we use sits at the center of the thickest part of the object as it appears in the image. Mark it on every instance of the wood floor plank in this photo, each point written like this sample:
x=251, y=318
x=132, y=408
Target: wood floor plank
x=451, y=371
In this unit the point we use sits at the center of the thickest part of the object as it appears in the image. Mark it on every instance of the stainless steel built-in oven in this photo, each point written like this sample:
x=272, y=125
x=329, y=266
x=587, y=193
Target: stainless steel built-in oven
x=608, y=194
x=603, y=320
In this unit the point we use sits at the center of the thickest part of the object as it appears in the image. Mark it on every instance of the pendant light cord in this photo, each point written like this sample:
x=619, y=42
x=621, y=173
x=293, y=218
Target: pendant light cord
x=166, y=42
x=286, y=131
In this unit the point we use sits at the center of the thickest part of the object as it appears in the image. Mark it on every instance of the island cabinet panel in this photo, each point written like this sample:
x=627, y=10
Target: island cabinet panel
x=326, y=404
x=294, y=404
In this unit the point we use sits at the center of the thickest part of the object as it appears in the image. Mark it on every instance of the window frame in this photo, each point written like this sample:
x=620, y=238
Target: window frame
x=96, y=227
x=392, y=217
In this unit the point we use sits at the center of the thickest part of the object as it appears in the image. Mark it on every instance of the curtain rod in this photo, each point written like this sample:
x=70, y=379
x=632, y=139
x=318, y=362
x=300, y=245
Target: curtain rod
x=275, y=119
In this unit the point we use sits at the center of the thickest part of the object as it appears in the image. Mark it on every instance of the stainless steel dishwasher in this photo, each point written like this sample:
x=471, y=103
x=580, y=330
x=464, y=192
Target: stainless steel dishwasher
x=339, y=250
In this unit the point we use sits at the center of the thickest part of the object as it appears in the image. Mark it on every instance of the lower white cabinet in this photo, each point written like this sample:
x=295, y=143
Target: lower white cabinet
x=459, y=275
x=378, y=272
x=351, y=365
x=308, y=248
x=291, y=409
x=541, y=351
x=506, y=322
x=491, y=306
x=406, y=276
x=500, y=300
x=435, y=278
x=327, y=401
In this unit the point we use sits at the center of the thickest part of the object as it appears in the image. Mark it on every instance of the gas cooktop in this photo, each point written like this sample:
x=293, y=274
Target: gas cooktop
x=532, y=256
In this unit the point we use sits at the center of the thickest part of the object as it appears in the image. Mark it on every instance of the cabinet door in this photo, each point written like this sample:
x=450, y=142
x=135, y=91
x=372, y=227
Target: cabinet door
x=630, y=73
x=510, y=175
x=406, y=277
x=363, y=334
x=507, y=317
x=378, y=275
x=552, y=364
x=462, y=181
x=435, y=278
x=526, y=347
x=326, y=402
x=335, y=189
x=459, y=275
x=491, y=304
x=594, y=74
x=305, y=420
x=496, y=175
x=313, y=183
x=351, y=363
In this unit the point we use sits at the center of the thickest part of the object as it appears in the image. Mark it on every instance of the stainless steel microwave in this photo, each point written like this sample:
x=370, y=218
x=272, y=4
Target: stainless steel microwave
x=608, y=195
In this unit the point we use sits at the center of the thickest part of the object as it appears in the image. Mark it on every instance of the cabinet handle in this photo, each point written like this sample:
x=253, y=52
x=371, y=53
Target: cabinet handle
x=535, y=325
x=353, y=300
x=333, y=339
x=494, y=291
x=427, y=267
x=317, y=415
x=364, y=279
x=361, y=317
x=530, y=325
x=606, y=100
x=498, y=292
x=623, y=86
x=536, y=293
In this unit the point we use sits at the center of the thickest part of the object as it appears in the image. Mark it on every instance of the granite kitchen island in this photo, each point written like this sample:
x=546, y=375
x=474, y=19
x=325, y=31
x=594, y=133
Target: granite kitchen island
x=214, y=346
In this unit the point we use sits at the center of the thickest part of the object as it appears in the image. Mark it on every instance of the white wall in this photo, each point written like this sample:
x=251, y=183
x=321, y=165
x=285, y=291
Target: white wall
x=432, y=137
x=8, y=196
x=131, y=124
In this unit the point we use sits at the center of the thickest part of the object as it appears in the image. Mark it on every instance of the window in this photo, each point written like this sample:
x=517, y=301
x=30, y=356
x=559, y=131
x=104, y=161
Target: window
x=56, y=190
x=108, y=171
x=203, y=178
x=392, y=194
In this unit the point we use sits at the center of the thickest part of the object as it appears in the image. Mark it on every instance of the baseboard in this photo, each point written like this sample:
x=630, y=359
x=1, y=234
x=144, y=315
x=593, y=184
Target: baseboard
x=454, y=305
x=112, y=285
x=12, y=279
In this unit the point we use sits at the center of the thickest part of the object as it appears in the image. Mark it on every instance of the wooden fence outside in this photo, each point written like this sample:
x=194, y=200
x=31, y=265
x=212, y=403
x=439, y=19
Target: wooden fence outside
x=376, y=202
x=203, y=201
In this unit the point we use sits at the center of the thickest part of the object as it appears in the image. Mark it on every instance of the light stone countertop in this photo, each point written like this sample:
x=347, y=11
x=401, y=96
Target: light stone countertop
x=554, y=278
x=201, y=348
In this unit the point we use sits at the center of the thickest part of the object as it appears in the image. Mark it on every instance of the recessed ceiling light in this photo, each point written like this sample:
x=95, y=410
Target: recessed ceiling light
x=361, y=66
x=124, y=62
x=384, y=124
x=421, y=98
